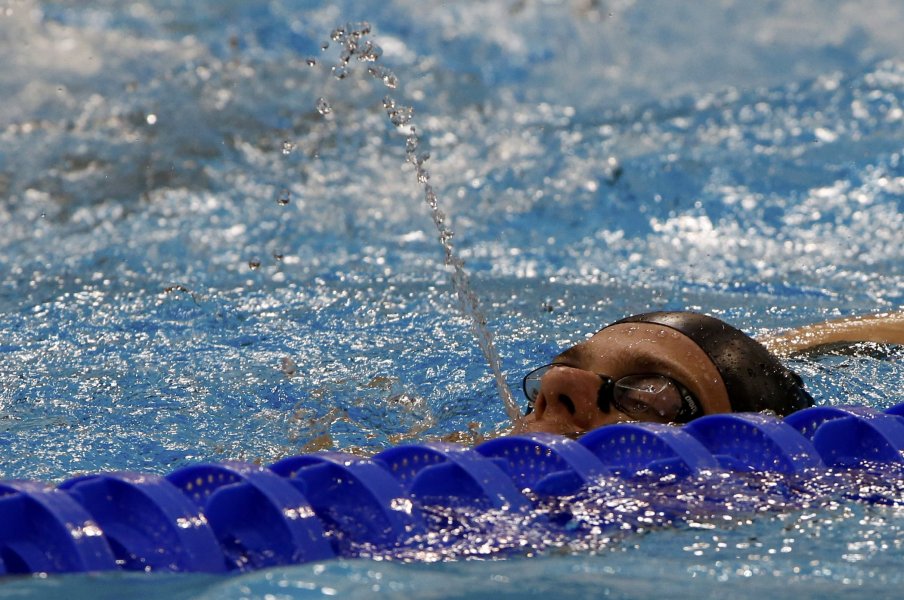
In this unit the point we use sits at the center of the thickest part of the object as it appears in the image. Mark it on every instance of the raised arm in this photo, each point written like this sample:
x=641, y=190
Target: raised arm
x=883, y=328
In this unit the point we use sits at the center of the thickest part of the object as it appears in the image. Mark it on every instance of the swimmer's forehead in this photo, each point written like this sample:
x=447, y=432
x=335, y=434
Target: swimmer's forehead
x=581, y=352
x=584, y=352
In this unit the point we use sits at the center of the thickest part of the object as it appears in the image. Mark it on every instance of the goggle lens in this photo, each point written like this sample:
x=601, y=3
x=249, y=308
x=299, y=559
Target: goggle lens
x=531, y=383
x=648, y=398
x=654, y=398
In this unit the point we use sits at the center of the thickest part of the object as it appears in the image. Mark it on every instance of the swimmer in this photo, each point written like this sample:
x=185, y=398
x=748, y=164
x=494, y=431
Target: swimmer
x=672, y=367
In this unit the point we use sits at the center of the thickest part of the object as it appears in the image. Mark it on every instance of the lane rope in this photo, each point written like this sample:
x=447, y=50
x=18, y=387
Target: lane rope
x=238, y=517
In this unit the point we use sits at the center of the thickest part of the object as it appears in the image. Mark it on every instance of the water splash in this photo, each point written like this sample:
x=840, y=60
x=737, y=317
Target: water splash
x=354, y=43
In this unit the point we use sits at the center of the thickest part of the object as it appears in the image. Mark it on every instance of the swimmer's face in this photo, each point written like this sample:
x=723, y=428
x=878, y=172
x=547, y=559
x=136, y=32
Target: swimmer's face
x=568, y=398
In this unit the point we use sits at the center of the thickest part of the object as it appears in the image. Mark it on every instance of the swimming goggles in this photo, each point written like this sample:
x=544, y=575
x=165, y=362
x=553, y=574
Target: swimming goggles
x=645, y=397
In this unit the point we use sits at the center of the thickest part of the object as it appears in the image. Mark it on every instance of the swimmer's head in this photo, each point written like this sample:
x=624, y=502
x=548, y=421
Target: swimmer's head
x=661, y=366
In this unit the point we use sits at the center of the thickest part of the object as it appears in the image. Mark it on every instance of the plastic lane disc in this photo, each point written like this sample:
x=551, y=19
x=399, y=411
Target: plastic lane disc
x=857, y=440
x=808, y=420
x=448, y=474
x=627, y=448
x=754, y=442
x=361, y=504
x=150, y=524
x=259, y=519
x=43, y=530
x=897, y=410
x=546, y=463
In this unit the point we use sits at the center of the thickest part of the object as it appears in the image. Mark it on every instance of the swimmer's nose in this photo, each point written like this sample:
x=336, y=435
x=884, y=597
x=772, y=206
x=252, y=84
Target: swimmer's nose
x=567, y=401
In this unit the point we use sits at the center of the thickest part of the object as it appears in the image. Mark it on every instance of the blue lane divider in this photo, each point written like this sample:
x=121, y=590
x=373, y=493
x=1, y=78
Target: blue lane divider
x=361, y=504
x=43, y=530
x=755, y=442
x=240, y=516
x=861, y=438
x=260, y=520
x=896, y=410
x=148, y=522
x=545, y=463
x=807, y=421
x=451, y=475
x=627, y=448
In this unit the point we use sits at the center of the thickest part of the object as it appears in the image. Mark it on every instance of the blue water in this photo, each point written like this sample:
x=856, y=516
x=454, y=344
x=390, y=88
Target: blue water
x=596, y=159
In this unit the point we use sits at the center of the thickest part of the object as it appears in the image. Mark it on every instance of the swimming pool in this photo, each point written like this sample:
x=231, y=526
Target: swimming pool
x=147, y=154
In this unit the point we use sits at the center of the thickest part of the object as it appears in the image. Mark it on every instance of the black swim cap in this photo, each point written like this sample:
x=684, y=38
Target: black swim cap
x=754, y=378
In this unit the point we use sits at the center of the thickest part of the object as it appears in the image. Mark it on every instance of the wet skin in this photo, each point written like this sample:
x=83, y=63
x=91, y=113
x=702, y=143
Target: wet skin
x=567, y=403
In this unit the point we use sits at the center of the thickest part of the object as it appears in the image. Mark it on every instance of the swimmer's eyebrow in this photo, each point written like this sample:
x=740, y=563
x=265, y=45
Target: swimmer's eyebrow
x=573, y=355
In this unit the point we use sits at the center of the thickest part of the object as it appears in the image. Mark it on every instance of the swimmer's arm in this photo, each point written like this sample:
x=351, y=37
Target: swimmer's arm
x=885, y=328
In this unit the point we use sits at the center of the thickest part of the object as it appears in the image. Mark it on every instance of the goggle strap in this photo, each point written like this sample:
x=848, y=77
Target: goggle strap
x=690, y=408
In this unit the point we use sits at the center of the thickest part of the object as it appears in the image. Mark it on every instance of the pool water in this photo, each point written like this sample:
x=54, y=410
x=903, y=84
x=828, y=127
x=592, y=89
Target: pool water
x=198, y=264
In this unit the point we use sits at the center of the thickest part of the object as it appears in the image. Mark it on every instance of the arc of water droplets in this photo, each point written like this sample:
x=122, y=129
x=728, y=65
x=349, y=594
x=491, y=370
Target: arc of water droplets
x=354, y=44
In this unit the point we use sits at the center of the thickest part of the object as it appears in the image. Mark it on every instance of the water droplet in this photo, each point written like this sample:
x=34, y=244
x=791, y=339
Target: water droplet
x=358, y=30
x=323, y=107
x=385, y=75
x=400, y=115
x=338, y=34
x=612, y=170
x=311, y=62
x=401, y=504
x=370, y=52
x=254, y=264
x=390, y=80
x=340, y=72
x=151, y=119
x=324, y=46
x=287, y=147
x=284, y=197
x=277, y=256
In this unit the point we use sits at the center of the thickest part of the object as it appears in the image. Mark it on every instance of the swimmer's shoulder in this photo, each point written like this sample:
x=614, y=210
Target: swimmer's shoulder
x=881, y=328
